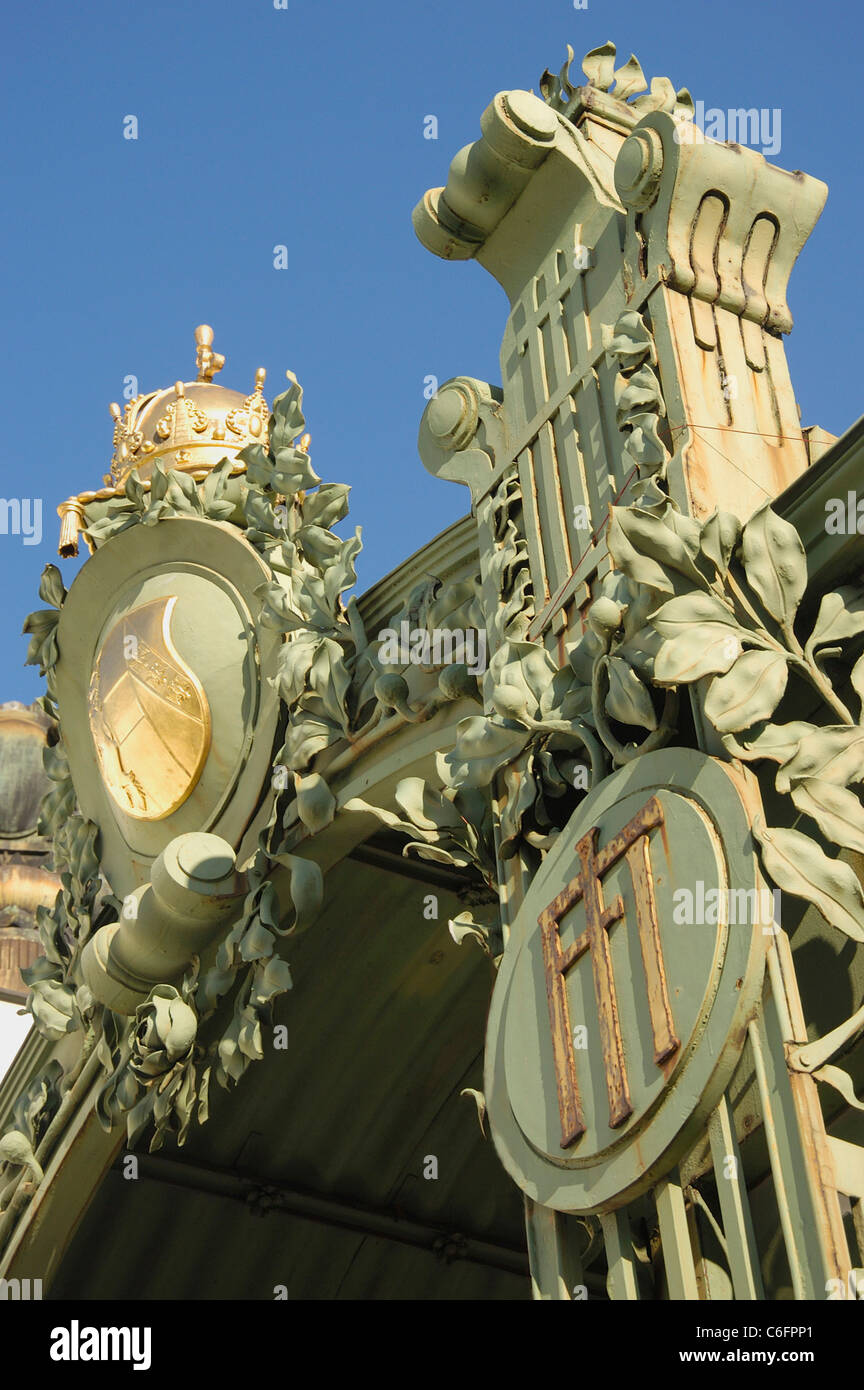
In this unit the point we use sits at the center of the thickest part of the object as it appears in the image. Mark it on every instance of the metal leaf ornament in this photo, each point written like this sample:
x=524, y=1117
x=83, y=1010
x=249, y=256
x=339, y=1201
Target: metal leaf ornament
x=621, y=83
x=733, y=621
x=156, y=1074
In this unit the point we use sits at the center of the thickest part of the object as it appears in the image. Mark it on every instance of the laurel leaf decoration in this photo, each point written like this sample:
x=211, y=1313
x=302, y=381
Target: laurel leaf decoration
x=798, y=865
x=750, y=691
x=775, y=563
x=836, y=810
x=628, y=699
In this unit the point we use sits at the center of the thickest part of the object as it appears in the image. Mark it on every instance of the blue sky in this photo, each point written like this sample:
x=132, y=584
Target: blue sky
x=304, y=127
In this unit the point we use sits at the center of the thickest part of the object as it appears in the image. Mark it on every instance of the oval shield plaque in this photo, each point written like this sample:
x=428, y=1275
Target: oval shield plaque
x=148, y=713
x=631, y=971
x=165, y=681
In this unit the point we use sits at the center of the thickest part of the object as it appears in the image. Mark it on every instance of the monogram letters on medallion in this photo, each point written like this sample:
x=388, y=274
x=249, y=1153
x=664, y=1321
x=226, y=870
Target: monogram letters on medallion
x=632, y=843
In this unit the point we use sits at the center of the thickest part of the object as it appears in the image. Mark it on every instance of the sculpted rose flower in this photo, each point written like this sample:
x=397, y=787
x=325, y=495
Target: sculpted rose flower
x=165, y=1031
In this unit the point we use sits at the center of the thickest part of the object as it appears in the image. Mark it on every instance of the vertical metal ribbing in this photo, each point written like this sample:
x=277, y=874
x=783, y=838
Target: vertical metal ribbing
x=780, y=1157
x=675, y=1239
x=734, y=1206
x=621, y=1283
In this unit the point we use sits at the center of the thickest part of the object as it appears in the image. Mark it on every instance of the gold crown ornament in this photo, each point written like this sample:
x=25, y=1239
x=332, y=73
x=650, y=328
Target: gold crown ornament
x=189, y=427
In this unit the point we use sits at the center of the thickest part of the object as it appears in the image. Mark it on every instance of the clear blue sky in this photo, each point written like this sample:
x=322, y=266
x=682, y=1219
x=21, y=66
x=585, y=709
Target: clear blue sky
x=304, y=126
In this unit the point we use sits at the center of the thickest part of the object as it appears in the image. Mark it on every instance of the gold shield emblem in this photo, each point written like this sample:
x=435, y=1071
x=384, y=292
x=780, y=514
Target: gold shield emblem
x=149, y=715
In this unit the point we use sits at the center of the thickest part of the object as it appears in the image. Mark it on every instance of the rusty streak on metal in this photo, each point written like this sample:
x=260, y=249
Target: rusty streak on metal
x=631, y=843
x=569, y=1101
x=600, y=919
x=666, y=1041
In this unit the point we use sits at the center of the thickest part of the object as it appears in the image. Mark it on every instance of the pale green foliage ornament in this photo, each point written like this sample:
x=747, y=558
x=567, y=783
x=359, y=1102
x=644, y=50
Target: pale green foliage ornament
x=158, y=1073
x=724, y=602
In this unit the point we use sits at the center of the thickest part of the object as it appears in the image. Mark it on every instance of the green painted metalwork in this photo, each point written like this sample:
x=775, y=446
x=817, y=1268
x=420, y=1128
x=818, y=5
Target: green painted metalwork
x=655, y=650
x=658, y=572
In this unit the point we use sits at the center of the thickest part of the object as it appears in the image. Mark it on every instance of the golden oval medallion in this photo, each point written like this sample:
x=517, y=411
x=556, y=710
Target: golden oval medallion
x=149, y=715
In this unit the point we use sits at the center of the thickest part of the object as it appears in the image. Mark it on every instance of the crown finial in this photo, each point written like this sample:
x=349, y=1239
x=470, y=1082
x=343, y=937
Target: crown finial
x=207, y=361
x=189, y=426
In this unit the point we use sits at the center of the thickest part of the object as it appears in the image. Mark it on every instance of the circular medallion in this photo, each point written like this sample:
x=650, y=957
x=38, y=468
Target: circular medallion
x=631, y=970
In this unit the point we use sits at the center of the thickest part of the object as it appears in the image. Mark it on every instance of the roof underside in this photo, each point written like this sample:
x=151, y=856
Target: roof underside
x=310, y=1174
